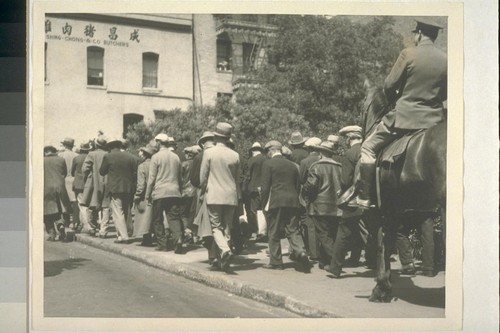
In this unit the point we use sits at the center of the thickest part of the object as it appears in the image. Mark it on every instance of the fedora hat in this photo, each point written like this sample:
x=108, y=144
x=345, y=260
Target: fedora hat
x=326, y=147
x=223, y=130
x=256, y=146
x=312, y=142
x=101, y=141
x=115, y=141
x=296, y=139
x=149, y=149
x=68, y=142
x=273, y=144
x=49, y=149
x=206, y=135
x=162, y=137
x=84, y=147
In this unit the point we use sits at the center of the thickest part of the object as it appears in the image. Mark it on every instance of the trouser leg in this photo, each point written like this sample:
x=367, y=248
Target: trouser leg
x=218, y=219
x=289, y=221
x=173, y=213
x=251, y=212
x=427, y=240
x=274, y=236
x=310, y=238
x=104, y=220
x=404, y=247
x=342, y=241
x=75, y=213
x=322, y=230
x=157, y=221
x=117, y=210
x=84, y=212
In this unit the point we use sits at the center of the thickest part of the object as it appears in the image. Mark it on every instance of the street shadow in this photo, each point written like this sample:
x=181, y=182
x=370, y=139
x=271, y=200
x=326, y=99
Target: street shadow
x=240, y=263
x=56, y=267
x=253, y=248
x=405, y=289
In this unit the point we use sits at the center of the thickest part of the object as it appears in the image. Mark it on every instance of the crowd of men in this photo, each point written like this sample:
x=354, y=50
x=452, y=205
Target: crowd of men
x=205, y=198
x=286, y=192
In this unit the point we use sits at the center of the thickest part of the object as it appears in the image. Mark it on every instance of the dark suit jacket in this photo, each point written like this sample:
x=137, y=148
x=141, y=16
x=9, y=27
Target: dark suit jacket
x=195, y=170
x=306, y=163
x=420, y=76
x=351, y=158
x=322, y=188
x=121, y=168
x=253, y=175
x=280, y=183
x=298, y=154
x=55, y=197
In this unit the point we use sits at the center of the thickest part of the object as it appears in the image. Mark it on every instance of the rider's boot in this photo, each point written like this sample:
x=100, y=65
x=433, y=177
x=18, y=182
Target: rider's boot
x=366, y=177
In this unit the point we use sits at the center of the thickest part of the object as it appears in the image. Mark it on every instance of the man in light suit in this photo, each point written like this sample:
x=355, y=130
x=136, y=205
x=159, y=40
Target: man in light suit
x=121, y=169
x=417, y=84
x=219, y=177
x=163, y=192
x=280, y=198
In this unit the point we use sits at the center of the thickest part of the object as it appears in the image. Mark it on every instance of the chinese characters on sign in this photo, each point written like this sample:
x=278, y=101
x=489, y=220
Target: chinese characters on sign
x=112, y=33
x=48, y=26
x=135, y=36
x=67, y=29
x=89, y=30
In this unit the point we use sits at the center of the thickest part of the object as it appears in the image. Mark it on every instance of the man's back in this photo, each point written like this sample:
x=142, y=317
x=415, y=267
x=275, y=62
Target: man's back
x=164, y=175
x=420, y=74
x=121, y=169
x=254, y=172
x=280, y=183
x=220, y=172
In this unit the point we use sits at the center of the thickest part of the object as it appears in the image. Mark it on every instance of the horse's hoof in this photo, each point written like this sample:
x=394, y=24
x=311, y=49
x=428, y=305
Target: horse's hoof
x=380, y=296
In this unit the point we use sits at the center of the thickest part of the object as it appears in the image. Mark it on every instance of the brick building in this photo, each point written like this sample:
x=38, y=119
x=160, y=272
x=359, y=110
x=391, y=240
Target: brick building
x=107, y=71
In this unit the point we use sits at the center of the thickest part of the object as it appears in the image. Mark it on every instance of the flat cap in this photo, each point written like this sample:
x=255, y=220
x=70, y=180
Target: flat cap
x=162, y=137
x=312, y=142
x=273, y=144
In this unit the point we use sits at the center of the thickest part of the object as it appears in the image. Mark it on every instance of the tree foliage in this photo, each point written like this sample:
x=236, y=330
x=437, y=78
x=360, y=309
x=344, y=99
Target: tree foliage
x=312, y=83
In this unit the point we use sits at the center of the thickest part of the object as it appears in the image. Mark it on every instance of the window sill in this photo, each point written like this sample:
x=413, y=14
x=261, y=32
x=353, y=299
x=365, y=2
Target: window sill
x=151, y=91
x=97, y=87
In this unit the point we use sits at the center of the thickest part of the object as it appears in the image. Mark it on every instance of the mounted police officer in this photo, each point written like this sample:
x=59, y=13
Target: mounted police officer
x=417, y=84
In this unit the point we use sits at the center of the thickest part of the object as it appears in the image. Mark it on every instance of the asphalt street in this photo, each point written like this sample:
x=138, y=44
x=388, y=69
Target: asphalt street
x=81, y=281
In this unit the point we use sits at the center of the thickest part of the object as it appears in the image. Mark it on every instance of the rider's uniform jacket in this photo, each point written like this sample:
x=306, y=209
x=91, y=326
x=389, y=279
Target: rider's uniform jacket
x=419, y=79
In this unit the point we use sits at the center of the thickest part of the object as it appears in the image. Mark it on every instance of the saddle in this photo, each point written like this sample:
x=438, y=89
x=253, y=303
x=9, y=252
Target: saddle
x=396, y=150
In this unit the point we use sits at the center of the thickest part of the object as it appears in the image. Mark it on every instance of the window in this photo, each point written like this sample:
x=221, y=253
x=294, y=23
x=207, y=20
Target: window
x=95, y=66
x=150, y=70
x=224, y=54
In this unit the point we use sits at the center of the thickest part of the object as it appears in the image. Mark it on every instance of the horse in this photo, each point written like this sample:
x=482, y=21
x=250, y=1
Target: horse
x=410, y=190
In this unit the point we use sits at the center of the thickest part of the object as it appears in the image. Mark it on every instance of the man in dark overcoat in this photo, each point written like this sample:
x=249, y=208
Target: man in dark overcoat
x=297, y=142
x=55, y=197
x=121, y=169
x=280, y=199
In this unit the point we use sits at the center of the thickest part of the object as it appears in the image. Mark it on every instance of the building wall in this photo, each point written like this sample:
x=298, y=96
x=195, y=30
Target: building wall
x=208, y=80
x=74, y=109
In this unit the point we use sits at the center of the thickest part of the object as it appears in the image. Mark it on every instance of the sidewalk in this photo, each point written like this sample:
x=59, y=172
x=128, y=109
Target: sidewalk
x=310, y=295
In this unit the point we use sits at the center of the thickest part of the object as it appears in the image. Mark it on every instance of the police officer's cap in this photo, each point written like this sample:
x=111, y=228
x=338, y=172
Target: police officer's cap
x=427, y=28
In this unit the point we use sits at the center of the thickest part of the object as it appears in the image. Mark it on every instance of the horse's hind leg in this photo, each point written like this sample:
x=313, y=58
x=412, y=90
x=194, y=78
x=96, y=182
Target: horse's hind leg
x=383, y=290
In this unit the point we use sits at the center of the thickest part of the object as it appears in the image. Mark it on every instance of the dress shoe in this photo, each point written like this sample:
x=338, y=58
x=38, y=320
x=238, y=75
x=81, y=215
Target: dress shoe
x=273, y=266
x=321, y=265
x=178, y=248
x=261, y=238
x=407, y=269
x=225, y=261
x=427, y=273
x=292, y=256
x=335, y=274
x=304, y=262
x=124, y=241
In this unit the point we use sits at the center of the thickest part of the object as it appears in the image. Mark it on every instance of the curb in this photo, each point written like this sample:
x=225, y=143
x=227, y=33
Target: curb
x=223, y=282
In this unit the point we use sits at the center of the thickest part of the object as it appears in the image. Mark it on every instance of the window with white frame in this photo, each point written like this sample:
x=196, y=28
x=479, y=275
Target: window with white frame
x=95, y=66
x=150, y=70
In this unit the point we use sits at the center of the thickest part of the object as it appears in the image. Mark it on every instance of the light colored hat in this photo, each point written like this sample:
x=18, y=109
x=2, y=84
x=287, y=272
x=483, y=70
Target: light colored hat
x=352, y=132
x=296, y=139
x=286, y=151
x=192, y=149
x=85, y=146
x=151, y=150
x=256, y=146
x=327, y=147
x=206, y=135
x=333, y=138
x=223, y=130
x=312, y=142
x=68, y=142
x=273, y=144
x=162, y=137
